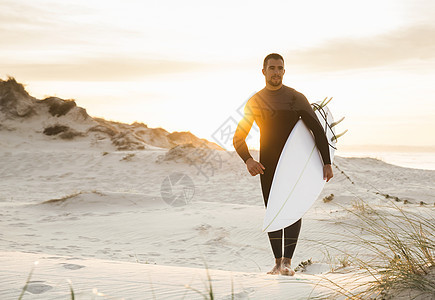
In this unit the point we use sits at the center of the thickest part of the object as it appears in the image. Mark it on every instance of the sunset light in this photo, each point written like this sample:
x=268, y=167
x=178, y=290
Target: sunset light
x=169, y=64
x=223, y=149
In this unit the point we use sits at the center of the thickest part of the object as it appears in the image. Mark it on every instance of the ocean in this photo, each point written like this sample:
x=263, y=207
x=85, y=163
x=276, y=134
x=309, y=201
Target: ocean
x=416, y=160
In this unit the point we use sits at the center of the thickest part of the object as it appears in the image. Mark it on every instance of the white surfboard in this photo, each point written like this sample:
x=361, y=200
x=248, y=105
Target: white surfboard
x=298, y=178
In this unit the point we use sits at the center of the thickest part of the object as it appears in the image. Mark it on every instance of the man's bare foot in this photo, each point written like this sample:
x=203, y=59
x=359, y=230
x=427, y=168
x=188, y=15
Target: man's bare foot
x=286, y=268
x=277, y=268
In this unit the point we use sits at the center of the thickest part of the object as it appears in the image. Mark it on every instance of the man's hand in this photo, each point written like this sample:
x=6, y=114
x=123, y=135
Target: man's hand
x=327, y=172
x=254, y=167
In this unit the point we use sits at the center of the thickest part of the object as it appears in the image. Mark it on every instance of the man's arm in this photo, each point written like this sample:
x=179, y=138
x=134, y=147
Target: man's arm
x=310, y=119
x=241, y=133
x=239, y=143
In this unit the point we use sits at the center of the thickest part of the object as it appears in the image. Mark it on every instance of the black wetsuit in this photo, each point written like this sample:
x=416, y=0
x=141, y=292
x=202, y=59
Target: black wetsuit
x=276, y=113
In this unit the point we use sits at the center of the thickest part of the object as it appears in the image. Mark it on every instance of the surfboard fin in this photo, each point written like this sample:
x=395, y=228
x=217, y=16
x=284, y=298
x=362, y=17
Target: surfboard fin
x=325, y=102
x=321, y=103
x=335, y=138
x=335, y=123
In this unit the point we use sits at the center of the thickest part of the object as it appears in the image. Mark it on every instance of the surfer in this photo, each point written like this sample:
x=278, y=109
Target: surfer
x=276, y=109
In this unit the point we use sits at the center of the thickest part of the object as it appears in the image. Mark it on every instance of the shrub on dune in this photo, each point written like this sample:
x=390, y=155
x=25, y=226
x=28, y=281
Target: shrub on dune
x=398, y=253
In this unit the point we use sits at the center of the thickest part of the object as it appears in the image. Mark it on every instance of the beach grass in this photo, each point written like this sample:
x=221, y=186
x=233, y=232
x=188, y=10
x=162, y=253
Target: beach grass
x=209, y=294
x=397, y=253
x=23, y=290
x=71, y=290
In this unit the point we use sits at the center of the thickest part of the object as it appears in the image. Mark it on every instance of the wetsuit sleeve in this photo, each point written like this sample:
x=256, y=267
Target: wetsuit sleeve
x=242, y=132
x=310, y=119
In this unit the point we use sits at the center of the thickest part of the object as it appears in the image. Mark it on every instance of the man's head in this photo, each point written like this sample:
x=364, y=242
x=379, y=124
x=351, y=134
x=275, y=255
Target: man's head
x=273, y=70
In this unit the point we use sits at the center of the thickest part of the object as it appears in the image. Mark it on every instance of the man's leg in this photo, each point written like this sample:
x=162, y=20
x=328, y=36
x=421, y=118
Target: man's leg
x=291, y=234
x=275, y=238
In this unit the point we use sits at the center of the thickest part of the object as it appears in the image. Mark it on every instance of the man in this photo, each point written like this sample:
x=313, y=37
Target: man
x=276, y=110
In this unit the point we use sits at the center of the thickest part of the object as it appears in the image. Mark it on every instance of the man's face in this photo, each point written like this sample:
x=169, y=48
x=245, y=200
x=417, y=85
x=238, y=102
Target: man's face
x=274, y=72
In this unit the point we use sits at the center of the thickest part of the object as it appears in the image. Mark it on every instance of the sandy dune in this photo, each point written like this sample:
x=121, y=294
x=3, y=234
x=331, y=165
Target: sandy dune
x=68, y=208
x=146, y=224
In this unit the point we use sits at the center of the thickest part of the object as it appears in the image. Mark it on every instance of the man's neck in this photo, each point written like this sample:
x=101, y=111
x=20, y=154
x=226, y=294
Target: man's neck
x=273, y=88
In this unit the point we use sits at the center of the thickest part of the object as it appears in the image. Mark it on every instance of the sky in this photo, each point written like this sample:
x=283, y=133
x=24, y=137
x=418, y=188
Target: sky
x=191, y=65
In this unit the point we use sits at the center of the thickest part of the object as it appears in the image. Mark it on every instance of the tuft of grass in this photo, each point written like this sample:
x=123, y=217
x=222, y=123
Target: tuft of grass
x=302, y=266
x=209, y=294
x=70, y=196
x=399, y=252
x=360, y=207
x=344, y=261
x=56, y=129
x=63, y=131
x=128, y=157
x=24, y=289
x=328, y=198
x=61, y=200
x=71, y=289
x=58, y=107
x=337, y=262
x=209, y=289
x=27, y=281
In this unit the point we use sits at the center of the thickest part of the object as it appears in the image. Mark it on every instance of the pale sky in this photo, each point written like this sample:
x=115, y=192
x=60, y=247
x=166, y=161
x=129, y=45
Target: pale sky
x=190, y=65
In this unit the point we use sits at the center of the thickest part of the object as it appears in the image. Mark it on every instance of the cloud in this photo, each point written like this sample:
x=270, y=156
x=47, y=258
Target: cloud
x=408, y=44
x=36, y=26
x=59, y=41
x=101, y=69
x=28, y=15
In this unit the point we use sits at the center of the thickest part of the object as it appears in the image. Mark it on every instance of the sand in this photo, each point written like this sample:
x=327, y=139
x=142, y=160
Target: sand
x=165, y=219
x=98, y=218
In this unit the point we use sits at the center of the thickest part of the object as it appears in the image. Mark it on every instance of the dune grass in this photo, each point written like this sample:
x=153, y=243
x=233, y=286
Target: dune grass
x=27, y=282
x=397, y=253
x=406, y=251
x=71, y=290
x=24, y=289
x=209, y=294
x=62, y=199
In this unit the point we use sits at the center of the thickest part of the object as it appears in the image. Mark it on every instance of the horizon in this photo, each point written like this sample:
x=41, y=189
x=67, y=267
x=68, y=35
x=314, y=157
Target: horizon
x=141, y=62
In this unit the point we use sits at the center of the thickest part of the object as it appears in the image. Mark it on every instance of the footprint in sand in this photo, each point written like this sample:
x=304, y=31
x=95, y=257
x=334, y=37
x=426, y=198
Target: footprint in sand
x=65, y=174
x=19, y=225
x=90, y=239
x=238, y=207
x=177, y=250
x=72, y=266
x=28, y=235
x=37, y=287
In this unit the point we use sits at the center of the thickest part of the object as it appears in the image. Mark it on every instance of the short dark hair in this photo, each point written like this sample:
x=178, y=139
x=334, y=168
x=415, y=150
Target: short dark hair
x=272, y=56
